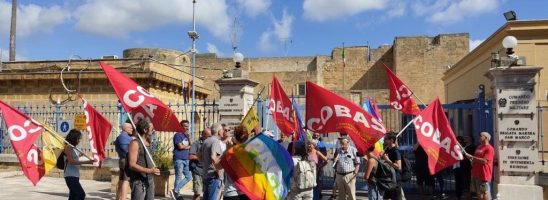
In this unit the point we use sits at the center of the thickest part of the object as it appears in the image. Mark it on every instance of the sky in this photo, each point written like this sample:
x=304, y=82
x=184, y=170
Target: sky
x=59, y=29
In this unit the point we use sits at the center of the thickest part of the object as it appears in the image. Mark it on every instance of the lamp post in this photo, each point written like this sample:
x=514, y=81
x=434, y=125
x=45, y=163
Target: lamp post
x=194, y=36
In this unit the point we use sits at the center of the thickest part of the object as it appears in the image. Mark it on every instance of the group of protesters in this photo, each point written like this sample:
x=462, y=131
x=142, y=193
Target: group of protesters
x=472, y=174
x=199, y=161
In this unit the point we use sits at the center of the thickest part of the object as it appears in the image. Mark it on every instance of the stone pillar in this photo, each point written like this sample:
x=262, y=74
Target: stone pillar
x=236, y=96
x=516, y=131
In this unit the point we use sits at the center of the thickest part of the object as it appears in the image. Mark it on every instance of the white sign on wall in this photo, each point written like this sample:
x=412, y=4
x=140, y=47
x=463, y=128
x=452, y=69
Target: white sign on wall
x=515, y=101
x=517, y=129
x=518, y=159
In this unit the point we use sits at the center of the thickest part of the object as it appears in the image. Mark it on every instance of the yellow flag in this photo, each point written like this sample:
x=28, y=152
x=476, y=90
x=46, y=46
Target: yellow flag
x=53, y=146
x=251, y=120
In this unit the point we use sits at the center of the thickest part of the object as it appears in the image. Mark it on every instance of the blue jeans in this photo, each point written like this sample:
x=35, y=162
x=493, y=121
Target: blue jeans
x=375, y=193
x=212, y=188
x=181, y=167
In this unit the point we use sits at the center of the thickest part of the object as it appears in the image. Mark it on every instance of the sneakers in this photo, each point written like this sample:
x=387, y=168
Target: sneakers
x=174, y=194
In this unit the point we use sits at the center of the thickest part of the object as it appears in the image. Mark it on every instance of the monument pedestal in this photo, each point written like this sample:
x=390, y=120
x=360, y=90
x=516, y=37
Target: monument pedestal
x=236, y=96
x=516, y=133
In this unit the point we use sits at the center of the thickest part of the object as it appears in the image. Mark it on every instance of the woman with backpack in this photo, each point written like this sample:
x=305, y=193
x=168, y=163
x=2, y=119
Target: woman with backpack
x=370, y=175
x=72, y=166
x=304, y=176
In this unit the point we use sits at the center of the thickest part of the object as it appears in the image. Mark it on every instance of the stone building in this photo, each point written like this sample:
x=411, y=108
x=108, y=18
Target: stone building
x=419, y=61
x=34, y=82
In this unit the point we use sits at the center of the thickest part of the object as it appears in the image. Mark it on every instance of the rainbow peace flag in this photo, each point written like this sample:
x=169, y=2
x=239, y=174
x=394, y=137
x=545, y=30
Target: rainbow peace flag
x=370, y=106
x=260, y=167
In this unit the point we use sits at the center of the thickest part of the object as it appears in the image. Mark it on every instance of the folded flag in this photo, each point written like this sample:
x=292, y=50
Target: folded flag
x=251, y=121
x=53, y=146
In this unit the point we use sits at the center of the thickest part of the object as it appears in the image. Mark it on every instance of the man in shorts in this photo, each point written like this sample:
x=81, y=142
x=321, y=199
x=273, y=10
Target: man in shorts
x=121, y=145
x=482, y=167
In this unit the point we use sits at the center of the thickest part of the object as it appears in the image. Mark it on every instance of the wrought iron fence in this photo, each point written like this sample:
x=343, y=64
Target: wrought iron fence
x=207, y=113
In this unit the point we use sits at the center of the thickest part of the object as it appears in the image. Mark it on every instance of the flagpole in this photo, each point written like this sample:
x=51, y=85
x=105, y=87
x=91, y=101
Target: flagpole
x=258, y=95
x=141, y=140
x=344, y=66
x=48, y=129
x=414, y=118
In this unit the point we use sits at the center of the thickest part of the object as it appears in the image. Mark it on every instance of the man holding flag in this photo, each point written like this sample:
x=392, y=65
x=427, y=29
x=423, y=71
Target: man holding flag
x=392, y=157
x=482, y=167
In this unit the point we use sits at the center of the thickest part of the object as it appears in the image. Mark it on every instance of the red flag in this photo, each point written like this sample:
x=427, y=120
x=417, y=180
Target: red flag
x=98, y=128
x=400, y=95
x=140, y=102
x=327, y=112
x=23, y=131
x=281, y=108
x=437, y=138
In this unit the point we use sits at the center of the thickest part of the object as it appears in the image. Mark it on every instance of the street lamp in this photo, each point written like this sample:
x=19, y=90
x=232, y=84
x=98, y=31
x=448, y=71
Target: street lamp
x=509, y=42
x=238, y=58
x=194, y=36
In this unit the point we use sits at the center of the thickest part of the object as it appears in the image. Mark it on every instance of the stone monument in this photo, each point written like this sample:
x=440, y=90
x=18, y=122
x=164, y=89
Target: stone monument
x=516, y=132
x=236, y=96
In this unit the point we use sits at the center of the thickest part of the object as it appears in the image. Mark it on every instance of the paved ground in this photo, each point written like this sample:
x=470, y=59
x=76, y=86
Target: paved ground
x=19, y=187
x=15, y=186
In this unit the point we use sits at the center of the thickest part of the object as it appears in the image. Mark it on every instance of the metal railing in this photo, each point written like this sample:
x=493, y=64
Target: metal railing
x=207, y=113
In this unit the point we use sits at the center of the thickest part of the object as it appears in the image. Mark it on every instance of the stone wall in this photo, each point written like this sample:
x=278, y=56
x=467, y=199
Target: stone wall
x=421, y=61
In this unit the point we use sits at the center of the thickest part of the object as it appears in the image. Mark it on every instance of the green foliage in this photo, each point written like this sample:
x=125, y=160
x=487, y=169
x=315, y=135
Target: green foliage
x=161, y=156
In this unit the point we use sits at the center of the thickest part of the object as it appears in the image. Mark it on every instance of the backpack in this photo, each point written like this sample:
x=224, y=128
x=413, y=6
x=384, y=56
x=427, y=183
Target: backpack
x=406, y=168
x=61, y=161
x=385, y=176
x=305, y=175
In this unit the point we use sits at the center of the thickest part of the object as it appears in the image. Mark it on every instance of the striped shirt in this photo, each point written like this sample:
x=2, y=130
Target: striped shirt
x=346, y=160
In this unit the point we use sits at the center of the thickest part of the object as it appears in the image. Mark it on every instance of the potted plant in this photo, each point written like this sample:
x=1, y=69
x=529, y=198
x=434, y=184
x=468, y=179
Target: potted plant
x=164, y=162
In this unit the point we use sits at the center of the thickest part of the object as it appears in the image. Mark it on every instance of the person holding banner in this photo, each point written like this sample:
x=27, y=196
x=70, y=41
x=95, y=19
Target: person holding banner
x=72, y=166
x=392, y=157
x=482, y=167
x=141, y=167
x=231, y=192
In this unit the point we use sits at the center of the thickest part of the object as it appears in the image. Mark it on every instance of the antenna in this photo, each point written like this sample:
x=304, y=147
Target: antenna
x=286, y=43
x=235, y=35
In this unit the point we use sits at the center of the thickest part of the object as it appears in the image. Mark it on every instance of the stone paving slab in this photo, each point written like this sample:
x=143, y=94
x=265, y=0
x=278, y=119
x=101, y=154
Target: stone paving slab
x=19, y=187
x=15, y=186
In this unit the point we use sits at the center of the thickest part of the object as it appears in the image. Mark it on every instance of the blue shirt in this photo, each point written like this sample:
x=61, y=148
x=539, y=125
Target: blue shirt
x=121, y=144
x=180, y=154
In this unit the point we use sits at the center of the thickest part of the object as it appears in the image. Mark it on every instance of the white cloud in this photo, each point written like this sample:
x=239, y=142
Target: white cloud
x=119, y=18
x=211, y=48
x=282, y=28
x=475, y=43
x=445, y=11
x=31, y=18
x=398, y=9
x=266, y=44
x=255, y=7
x=280, y=32
x=4, y=54
x=323, y=10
